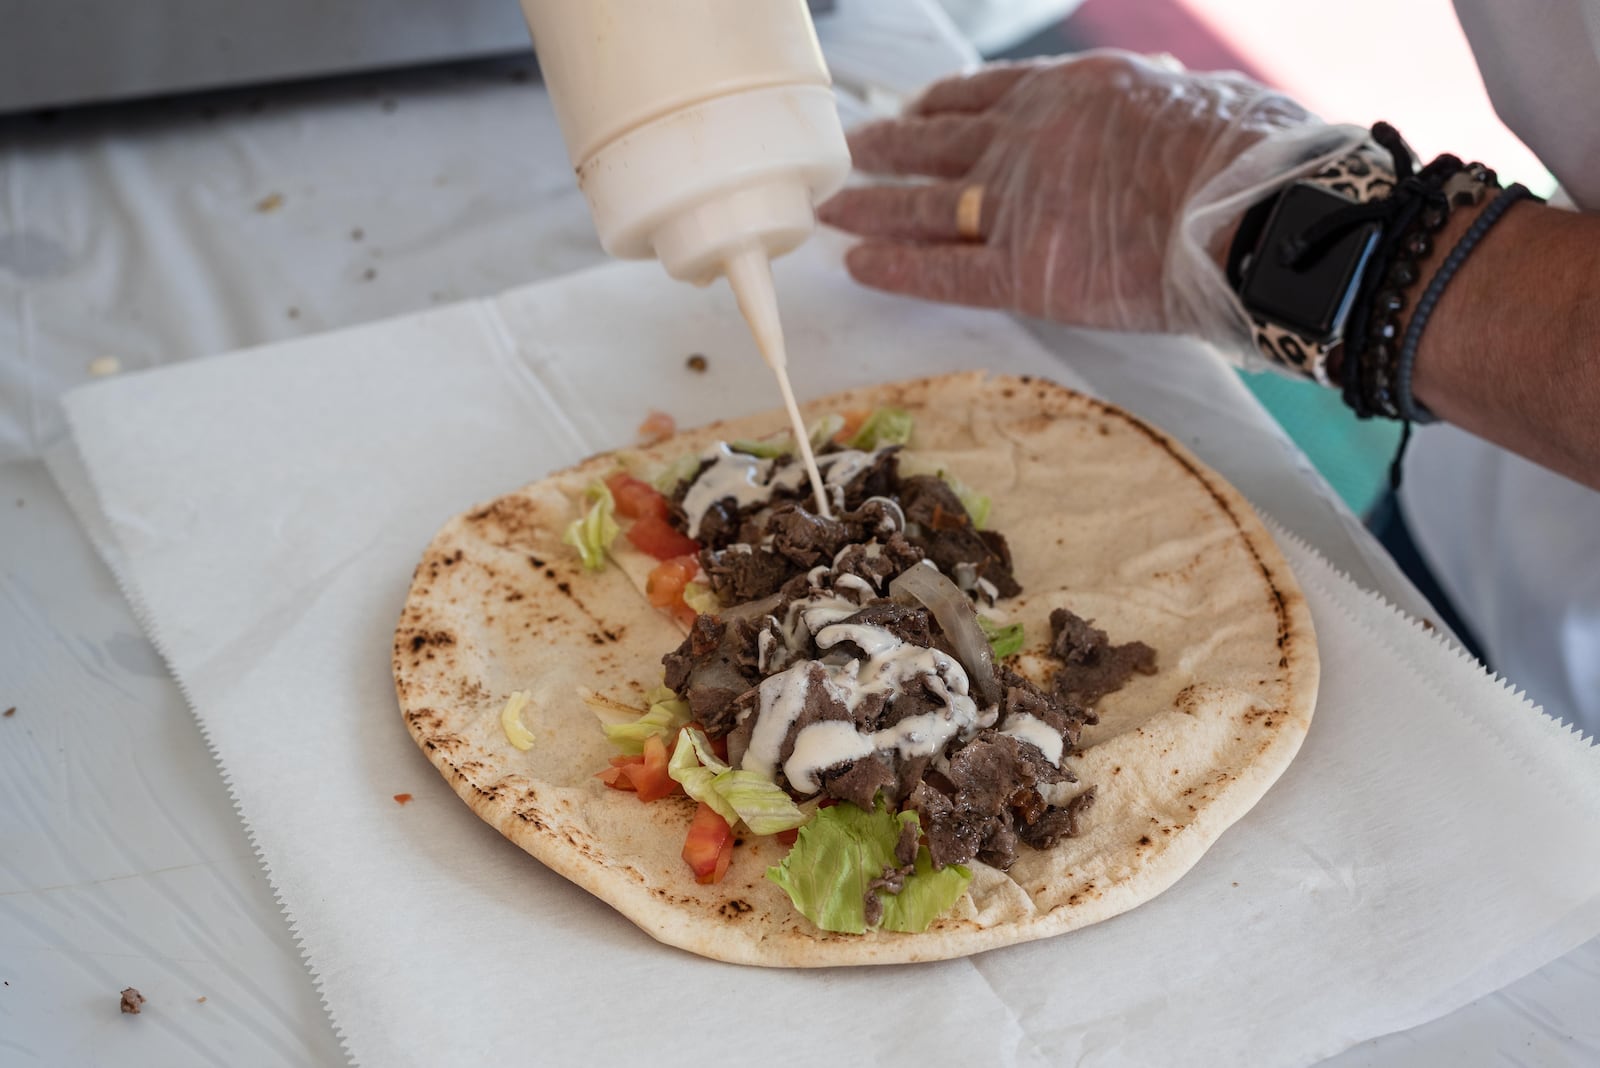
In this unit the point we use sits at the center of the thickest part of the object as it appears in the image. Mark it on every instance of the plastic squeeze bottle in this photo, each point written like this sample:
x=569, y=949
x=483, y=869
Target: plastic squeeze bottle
x=703, y=133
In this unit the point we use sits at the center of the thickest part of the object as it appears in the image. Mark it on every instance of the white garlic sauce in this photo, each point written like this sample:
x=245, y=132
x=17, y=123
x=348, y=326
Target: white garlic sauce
x=888, y=666
x=747, y=479
x=1026, y=728
x=855, y=583
x=753, y=480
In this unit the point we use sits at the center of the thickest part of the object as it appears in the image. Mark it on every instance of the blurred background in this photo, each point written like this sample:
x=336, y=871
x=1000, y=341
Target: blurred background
x=62, y=63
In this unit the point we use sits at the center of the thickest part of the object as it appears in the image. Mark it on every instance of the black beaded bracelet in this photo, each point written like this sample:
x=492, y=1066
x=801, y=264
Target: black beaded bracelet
x=1405, y=364
x=1372, y=349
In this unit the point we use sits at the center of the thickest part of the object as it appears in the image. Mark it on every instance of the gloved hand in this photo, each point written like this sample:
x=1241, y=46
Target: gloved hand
x=1112, y=184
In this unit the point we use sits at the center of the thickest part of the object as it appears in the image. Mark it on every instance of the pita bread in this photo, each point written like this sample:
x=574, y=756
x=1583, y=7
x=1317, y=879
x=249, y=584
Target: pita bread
x=1105, y=515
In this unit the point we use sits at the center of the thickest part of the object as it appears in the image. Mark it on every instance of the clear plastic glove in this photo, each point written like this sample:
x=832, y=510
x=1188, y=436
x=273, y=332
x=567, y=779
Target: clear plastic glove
x=1111, y=187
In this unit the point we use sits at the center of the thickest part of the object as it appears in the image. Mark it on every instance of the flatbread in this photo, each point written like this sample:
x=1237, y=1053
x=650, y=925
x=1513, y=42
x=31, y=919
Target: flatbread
x=1105, y=515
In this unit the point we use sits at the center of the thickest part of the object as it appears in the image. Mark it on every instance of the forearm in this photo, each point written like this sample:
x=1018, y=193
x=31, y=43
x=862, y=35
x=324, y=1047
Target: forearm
x=1512, y=351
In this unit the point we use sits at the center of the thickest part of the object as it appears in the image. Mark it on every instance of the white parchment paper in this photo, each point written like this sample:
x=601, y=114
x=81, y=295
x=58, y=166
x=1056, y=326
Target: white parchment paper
x=1436, y=838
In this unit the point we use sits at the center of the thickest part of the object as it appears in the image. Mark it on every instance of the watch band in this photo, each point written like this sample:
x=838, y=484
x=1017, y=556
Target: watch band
x=1363, y=175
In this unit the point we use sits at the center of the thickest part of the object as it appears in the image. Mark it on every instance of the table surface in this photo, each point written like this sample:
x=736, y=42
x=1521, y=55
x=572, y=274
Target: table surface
x=147, y=234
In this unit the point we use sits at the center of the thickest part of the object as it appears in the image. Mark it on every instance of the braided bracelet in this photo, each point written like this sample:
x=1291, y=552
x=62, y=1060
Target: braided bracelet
x=1405, y=364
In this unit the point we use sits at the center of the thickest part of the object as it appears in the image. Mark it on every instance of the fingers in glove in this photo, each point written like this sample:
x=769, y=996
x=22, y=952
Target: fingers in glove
x=946, y=146
x=906, y=212
x=970, y=93
x=956, y=274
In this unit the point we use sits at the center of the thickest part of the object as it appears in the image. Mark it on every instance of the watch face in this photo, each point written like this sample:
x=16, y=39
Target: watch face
x=1313, y=299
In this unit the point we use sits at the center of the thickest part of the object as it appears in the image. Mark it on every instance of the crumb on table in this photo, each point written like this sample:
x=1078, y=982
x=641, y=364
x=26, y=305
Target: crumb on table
x=697, y=363
x=401, y=799
x=131, y=1000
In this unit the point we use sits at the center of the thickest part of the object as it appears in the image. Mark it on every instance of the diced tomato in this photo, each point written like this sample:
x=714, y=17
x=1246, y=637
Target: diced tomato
x=852, y=423
x=614, y=778
x=654, y=535
x=649, y=776
x=788, y=837
x=665, y=586
x=657, y=426
x=636, y=498
x=709, y=847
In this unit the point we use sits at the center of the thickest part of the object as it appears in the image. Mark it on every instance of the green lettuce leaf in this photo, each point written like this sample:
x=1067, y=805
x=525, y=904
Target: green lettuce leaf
x=664, y=718
x=688, y=768
x=926, y=895
x=823, y=430
x=698, y=595
x=593, y=532
x=841, y=850
x=765, y=448
x=760, y=802
x=976, y=504
x=885, y=426
x=736, y=795
x=683, y=468
x=1003, y=640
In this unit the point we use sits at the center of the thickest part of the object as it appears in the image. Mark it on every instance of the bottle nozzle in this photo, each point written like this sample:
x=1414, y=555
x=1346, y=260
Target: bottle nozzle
x=749, y=272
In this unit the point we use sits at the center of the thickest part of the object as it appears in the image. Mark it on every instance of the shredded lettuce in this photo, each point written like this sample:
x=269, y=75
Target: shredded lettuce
x=885, y=426
x=1003, y=640
x=841, y=850
x=593, y=532
x=824, y=430
x=683, y=468
x=511, y=721
x=760, y=802
x=698, y=595
x=765, y=448
x=697, y=773
x=736, y=795
x=664, y=719
x=976, y=504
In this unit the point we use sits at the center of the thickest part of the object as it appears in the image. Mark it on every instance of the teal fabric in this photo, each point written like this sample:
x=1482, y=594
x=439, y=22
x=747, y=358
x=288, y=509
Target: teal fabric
x=1352, y=454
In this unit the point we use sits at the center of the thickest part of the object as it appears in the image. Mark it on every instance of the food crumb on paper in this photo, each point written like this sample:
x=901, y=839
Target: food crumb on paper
x=697, y=363
x=270, y=202
x=657, y=426
x=104, y=365
x=1235, y=884
x=11, y=711
x=201, y=1000
x=131, y=1000
x=401, y=799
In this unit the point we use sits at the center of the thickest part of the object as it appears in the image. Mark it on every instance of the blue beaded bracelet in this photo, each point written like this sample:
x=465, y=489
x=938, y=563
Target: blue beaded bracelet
x=1410, y=409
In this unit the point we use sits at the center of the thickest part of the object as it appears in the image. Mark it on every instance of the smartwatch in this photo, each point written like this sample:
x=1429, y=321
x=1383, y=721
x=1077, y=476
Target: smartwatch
x=1299, y=309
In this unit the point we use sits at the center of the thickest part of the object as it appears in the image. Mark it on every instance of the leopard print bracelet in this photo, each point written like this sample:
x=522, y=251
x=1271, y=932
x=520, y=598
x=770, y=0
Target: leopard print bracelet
x=1365, y=174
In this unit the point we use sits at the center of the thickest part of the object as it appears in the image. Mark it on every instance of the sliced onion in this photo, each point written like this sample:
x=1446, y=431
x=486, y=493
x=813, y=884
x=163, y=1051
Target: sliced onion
x=752, y=609
x=941, y=597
